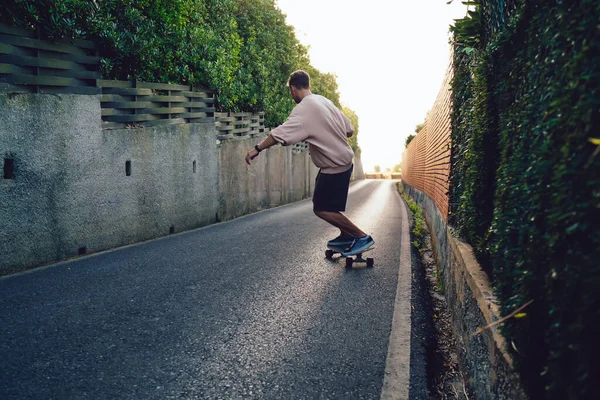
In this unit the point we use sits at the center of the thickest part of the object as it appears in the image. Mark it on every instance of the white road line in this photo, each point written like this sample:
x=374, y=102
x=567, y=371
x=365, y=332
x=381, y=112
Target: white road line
x=397, y=367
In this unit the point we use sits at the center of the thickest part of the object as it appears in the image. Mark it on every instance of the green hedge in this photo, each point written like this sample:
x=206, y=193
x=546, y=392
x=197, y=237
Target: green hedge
x=242, y=48
x=527, y=104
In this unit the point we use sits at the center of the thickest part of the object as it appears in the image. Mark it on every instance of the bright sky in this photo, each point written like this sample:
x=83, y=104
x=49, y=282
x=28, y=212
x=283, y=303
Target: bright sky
x=390, y=57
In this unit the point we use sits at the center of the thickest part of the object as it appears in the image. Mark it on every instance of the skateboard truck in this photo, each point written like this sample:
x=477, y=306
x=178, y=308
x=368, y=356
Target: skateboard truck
x=349, y=260
x=359, y=259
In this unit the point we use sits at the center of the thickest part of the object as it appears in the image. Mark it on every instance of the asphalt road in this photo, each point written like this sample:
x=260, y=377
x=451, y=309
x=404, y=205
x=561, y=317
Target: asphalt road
x=245, y=309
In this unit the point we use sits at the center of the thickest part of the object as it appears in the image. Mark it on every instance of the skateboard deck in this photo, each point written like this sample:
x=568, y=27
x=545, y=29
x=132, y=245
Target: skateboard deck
x=358, y=258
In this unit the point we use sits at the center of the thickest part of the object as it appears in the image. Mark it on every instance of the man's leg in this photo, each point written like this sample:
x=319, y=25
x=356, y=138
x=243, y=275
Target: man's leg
x=361, y=242
x=330, y=195
x=341, y=222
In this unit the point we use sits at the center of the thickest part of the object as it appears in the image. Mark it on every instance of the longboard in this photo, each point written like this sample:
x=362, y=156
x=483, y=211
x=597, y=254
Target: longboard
x=332, y=250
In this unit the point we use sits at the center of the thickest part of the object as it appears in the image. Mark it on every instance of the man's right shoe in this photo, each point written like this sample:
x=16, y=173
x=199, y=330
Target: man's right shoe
x=341, y=241
x=359, y=245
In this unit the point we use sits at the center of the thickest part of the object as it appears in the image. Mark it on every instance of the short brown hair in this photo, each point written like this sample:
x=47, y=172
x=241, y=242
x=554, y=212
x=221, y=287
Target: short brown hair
x=299, y=79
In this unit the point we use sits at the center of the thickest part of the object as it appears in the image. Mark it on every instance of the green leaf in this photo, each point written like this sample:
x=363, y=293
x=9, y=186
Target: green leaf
x=572, y=228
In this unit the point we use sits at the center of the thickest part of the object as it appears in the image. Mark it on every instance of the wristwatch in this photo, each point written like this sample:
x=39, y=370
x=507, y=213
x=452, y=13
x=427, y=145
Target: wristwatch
x=257, y=149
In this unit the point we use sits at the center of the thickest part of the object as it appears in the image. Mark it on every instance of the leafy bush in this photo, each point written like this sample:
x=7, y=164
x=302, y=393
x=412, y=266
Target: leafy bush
x=474, y=174
x=242, y=48
x=525, y=115
x=419, y=229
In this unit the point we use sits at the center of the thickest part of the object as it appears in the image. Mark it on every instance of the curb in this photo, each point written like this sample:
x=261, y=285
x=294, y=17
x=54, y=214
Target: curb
x=396, y=382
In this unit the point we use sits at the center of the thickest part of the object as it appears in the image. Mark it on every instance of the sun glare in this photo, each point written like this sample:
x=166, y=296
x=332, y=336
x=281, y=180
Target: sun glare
x=389, y=56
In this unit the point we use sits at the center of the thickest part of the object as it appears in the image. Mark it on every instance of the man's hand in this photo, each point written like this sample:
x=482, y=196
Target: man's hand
x=251, y=156
x=265, y=144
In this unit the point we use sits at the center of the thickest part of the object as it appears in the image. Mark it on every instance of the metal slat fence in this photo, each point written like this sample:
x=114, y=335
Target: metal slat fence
x=140, y=104
x=231, y=124
x=31, y=65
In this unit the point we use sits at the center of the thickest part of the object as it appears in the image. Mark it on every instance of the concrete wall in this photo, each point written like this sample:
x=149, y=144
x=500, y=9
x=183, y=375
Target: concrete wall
x=277, y=176
x=358, y=173
x=472, y=305
x=70, y=193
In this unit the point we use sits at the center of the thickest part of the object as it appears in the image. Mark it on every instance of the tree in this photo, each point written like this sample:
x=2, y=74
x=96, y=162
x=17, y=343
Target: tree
x=270, y=52
x=353, y=140
x=397, y=168
x=418, y=129
x=324, y=84
x=377, y=169
x=242, y=48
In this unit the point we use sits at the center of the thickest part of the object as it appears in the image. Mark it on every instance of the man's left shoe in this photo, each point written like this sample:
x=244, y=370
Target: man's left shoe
x=359, y=245
x=341, y=241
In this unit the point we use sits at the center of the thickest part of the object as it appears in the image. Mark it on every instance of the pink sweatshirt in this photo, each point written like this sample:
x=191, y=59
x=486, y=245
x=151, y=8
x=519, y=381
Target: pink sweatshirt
x=319, y=122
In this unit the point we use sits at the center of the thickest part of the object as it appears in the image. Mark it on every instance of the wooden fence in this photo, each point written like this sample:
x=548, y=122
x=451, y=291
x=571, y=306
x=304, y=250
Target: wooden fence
x=134, y=104
x=426, y=160
x=31, y=65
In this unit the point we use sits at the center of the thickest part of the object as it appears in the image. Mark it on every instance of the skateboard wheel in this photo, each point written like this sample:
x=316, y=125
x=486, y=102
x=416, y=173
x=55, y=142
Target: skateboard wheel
x=370, y=262
x=329, y=253
x=349, y=262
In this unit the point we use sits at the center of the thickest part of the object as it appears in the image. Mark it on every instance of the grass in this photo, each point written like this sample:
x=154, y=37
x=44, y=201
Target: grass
x=419, y=233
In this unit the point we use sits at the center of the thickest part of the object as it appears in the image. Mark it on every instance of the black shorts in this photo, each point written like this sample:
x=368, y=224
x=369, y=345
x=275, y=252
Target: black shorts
x=331, y=191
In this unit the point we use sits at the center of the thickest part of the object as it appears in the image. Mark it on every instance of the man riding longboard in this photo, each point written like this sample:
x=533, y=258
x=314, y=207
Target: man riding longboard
x=316, y=120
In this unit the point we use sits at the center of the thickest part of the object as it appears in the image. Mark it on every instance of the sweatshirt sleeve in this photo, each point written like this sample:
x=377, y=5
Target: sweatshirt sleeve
x=348, y=125
x=291, y=131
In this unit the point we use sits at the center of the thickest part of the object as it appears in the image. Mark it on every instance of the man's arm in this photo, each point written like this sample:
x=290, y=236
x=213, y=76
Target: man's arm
x=265, y=144
x=290, y=132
